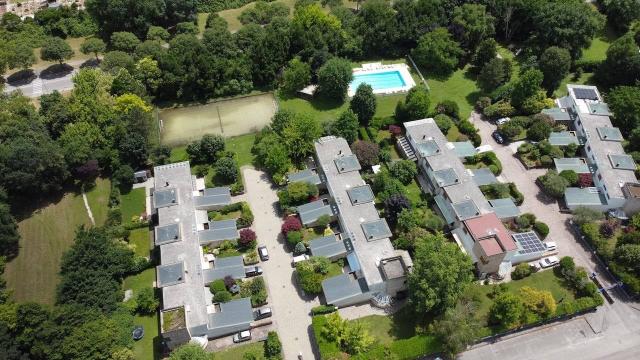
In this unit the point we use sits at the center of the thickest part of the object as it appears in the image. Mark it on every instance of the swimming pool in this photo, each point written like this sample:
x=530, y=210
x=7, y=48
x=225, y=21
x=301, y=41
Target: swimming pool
x=379, y=80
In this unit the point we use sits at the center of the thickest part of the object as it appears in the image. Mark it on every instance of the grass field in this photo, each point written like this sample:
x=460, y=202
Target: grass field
x=132, y=204
x=460, y=87
x=148, y=347
x=98, y=198
x=139, y=238
x=45, y=236
x=598, y=48
x=238, y=352
x=231, y=117
x=241, y=145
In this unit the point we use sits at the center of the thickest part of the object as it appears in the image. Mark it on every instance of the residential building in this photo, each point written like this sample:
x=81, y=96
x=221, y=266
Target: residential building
x=611, y=167
x=28, y=8
x=375, y=267
x=187, y=311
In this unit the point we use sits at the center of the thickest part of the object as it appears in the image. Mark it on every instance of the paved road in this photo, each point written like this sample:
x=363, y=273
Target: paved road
x=290, y=307
x=612, y=332
x=41, y=85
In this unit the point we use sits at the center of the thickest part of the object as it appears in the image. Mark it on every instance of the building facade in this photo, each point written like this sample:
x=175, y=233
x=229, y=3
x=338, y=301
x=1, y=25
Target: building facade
x=28, y=8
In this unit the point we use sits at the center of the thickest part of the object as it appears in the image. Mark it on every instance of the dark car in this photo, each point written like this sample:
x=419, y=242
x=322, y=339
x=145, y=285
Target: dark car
x=498, y=137
x=253, y=271
x=262, y=251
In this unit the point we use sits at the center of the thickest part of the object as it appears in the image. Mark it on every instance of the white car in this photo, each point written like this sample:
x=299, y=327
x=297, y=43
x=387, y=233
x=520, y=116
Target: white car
x=503, y=120
x=551, y=246
x=242, y=336
x=297, y=259
x=549, y=262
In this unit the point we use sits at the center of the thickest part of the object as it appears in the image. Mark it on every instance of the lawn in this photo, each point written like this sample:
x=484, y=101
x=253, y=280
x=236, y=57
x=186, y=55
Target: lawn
x=598, y=48
x=78, y=56
x=45, y=235
x=132, y=204
x=238, y=352
x=148, y=347
x=453, y=134
x=585, y=78
x=98, y=198
x=241, y=145
x=460, y=87
x=414, y=193
x=140, y=239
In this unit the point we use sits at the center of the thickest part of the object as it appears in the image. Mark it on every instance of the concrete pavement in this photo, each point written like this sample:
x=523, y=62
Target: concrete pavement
x=612, y=332
x=291, y=308
x=46, y=85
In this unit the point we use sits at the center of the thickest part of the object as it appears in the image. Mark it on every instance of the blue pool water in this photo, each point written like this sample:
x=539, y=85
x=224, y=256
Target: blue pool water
x=379, y=81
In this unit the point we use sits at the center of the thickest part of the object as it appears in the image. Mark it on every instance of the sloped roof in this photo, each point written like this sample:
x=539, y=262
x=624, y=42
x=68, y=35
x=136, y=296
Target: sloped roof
x=489, y=226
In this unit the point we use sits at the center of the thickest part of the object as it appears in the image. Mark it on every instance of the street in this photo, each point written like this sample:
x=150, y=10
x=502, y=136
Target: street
x=45, y=82
x=613, y=331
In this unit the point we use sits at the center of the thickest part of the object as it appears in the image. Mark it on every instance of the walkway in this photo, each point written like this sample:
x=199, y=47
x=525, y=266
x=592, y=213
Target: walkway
x=290, y=307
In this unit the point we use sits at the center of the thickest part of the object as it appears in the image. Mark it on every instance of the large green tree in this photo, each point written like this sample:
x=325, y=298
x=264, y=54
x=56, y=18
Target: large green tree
x=621, y=13
x=9, y=236
x=440, y=274
x=93, y=46
x=622, y=65
x=56, y=49
x=346, y=126
x=124, y=41
x=334, y=78
x=494, y=73
x=415, y=106
x=296, y=76
x=300, y=134
x=313, y=29
x=624, y=102
x=472, y=24
x=554, y=63
x=364, y=103
x=377, y=26
x=437, y=52
x=458, y=327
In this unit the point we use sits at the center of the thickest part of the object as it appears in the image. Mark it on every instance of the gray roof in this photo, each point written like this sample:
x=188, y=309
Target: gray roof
x=223, y=224
x=578, y=165
x=609, y=134
x=464, y=148
x=170, y=274
x=428, y=147
x=312, y=211
x=232, y=314
x=445, y=209
x=214, y=235
x=446, y=177
x=347, y=163
x=504, y=208
x=342, y=287
x=232, y=266
x=190, y=293
x=376, y=230
x=599, y=108
x=563, y=138
x=360, y=194
x=351, y=216
x=466, y=210
x=306, y=175
x=483, y=176
x=584, y=197
x=327, y=246
x=622, y=161
x=167, y=233
x=558, y=114
x=165, y=197
x=214, y=197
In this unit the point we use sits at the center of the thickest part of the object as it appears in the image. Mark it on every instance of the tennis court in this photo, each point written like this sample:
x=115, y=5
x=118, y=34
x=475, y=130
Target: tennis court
x=232, y=117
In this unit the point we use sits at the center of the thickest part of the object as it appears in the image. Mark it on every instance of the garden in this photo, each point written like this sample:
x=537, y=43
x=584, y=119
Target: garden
x=541, y=154
x=484, y=160
x=503, y=191
x=311, y=273
x=227, y=289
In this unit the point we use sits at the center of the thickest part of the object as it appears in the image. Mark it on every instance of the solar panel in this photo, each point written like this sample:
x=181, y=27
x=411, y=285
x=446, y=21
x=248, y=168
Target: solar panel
x=529, y=242
x=588, y=94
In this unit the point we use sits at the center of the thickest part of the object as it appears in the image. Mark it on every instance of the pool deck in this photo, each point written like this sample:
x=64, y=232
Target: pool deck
x=376, y=68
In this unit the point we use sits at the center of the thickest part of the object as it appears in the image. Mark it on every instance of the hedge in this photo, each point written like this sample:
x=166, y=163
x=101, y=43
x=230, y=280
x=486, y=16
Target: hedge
x=323, y=309
x=587, y=65
x=541, y=228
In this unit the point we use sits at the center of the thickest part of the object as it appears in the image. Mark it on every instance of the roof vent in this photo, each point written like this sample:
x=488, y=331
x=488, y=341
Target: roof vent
x=166, y=183
x=424, y=136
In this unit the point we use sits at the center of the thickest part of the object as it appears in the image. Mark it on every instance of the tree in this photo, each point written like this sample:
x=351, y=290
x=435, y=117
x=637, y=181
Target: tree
x=487, y=51
x=190, y=352
x=334, y=78
x=494, y=73
x=93, y=46
x=458, y=328
x=116, y=60
x=628, y=256
x=106, y=335
x=437, y=52
x=538, y=131
x=521, y=271
x=146, y=301
x=472, y=24
x=247, y=238
x=296, y=76
x=553, y=184
x=88, y=172
x=624, y=102
x=299, y=192
x=440, y=274
x=363, y=103
x=136, y=16
x=570, y=175
x=56, y=49
x=554, y=63
x=210, y=145
x=351, y=337
x=346, y=126
x=526, y=87
x=623, y=12
x=123, y=177
x=394, y=205
x=299, y=248
x=187, y=27
x=227, y=169
x=583, y=215
x=538, y=302
x=124, y=41
x=420, y=217
x=507, y=310
x=622, y=65
x=415, y=106
x=157, y=33
x=367, y=152
x=444, y=122
x=291, y=223
x=311, y=29
x=21, y=56
x=9, y=236
x=384, y=185
x=404, y=170
x=300, y=134
x=272, y=347
x=149, y=74
x=511, y=129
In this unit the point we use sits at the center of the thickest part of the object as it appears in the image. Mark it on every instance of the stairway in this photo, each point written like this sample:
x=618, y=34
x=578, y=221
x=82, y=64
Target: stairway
x=407, y=150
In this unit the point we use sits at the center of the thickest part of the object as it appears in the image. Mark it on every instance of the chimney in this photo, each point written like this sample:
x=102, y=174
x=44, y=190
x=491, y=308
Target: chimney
x=424, y=136
x=166, y=183
x=340, y=152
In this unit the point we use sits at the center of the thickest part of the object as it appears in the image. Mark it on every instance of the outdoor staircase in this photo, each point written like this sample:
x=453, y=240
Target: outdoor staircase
x=407, y=150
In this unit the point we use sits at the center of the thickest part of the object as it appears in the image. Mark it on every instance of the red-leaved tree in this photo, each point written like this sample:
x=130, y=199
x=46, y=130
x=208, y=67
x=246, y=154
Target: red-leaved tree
x=247, y=236
x=395, y=130
x=292, y=223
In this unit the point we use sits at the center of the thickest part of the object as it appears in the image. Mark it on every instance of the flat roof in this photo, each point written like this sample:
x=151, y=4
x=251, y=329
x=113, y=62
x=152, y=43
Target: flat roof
x=347, y=163
x=376, y=230
x=563, y=138
x=214, y=196
x=170, y=274
x=165, y=197
x=394, y=268
x=342, y=287
x=490, y=246
x=428, y=147
x=599, y=108
x=360, y=194
x=584, y=197
x=167, y=233
x=483, y=176
x=310, y=212
x=223, y=224
x=232, y=313
x=211, y=235
x=232, y=266
x=464, y=148
x=504, y=208
x=558, y=114
x=327, y=246
x=609, y=133
x=445, y=209
x=466, y=209
x=622, y=161
x=579, y=165
x=306, y=175
x=446, y=177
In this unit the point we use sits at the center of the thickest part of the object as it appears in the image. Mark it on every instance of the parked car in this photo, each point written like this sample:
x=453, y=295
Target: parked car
x=262, y=251
x=242, y=336
x=497, y=137
x=253, y=271
x=263, y=313
x=503, y=120
x=551, y=246
x=297, y=259
x=549, y=262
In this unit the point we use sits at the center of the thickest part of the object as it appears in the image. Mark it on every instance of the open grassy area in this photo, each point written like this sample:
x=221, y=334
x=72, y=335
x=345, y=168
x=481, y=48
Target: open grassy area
x=585, y=78
x=598, y=48
x=98, y=198
x=241, y=145
x=140, y=239
x=238, y=352
x=148, y=348
x=45, y=235
x=132, y=204
x=460, y=87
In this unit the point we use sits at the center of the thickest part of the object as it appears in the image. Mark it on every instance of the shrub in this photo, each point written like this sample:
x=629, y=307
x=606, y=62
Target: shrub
x=449, y=108
x=608, y=228
x=546, y=161
x=146, y=301
x=395, y=130
x=499, y=110
x=541, y=228
x=291, y=223
x=567, y=264
x=222, y=297
x=553, y=184
x=511, y=130
x=366, y=152
x=518, y=197
x=521, y=271
x=323, y=221
x=299, y=248
x=404, y=170
x=482, y=103
x=247, y=238
x=538, y=131
x=444, y=122
x=294, y=237
x=246, y=216
x=229, y=281
x=323, y=309
x=570, y=175
x=251, y=257
x=272, y=347
x=216, y=286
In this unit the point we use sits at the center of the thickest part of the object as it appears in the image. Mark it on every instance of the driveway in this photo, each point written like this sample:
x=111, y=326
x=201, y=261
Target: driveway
x=290, y=307
x=613, y=331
